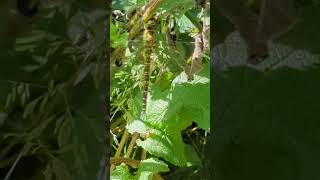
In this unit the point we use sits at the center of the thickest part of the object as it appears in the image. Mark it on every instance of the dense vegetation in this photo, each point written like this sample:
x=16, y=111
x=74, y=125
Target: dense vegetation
x=167, y=141
x=266, y=122
x=52, y=91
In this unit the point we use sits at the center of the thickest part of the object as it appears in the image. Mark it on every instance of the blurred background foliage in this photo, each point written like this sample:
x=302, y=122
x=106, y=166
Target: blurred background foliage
x=52, y=91
x=266, y=117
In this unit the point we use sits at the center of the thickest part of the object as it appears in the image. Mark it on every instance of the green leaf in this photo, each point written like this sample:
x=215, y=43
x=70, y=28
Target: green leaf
x=41, y=60
x=44, y=103
x=118, y=40
x=177, y=8
x=33, y=37
x=149, y=167
x=9, y=100
x=121, y=173
x=83, y=73
x=165, y=81
x=185, y=25
x=65, y=133
x=30, y=107
x=48, y=172
x=59, y=123
x=171, y=111
x=31, y=68
x=3, y=117
x=60, y=169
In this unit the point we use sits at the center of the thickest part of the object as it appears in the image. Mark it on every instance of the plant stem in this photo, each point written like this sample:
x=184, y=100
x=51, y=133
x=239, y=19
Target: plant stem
x=131, y=162
x=144, y=154
x=120, y=147
x=132, y=143
x=14, y=165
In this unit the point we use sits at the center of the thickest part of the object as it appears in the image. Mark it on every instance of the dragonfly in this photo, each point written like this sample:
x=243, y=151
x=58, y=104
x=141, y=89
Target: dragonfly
x=149, y=38
x=148, y=29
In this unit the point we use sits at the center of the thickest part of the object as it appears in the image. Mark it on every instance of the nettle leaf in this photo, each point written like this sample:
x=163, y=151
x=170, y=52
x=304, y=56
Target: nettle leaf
x=171, y=111
x=178, y=8
x=190, y=100
x=120, y=173
x=147, y=168
x=185, y=25
x=121, y=41
x=165, y=81
x=168, y=146
x=116, y=38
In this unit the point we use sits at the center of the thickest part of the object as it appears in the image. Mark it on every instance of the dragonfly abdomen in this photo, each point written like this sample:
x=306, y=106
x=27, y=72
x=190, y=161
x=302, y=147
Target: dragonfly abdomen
x=149, y=40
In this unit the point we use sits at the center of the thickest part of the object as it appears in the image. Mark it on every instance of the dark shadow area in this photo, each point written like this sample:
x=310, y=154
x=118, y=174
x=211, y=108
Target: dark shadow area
x=266, y=117
x=52, y=89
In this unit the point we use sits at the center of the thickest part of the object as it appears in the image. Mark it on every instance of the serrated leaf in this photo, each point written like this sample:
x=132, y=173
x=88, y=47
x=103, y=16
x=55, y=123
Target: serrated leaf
x=149, y=167
x=185, y=25
x=121, y=173
x=168, y=146
x=177, y=8
x=171, y=111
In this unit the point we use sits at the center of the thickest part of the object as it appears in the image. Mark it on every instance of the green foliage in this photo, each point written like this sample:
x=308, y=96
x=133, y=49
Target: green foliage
x=147, y=169
x=173, y=103
x=266, y=120
x=51, y=91
x=170, y=112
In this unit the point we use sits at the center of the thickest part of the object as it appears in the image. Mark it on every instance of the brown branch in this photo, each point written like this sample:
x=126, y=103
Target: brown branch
x=151, y=9
x=119, y=160
x=132, y=143
x=120, y=147
x=144, y=154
